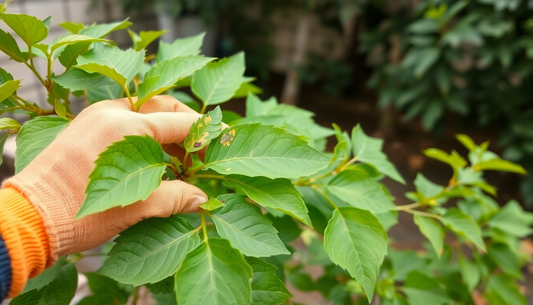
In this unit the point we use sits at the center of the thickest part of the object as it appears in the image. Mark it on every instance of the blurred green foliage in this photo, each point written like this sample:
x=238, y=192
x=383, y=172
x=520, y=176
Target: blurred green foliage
x=472, y=58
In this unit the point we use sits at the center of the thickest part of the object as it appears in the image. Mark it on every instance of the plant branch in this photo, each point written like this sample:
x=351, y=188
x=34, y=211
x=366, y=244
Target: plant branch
x=136, y=295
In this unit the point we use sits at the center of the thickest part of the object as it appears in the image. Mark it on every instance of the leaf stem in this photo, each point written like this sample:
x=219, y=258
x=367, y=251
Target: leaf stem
x=407, y=206
x=204, y=107
x=136, y=295
x=343, y=166
x=196, y=169
x=207, y=176
x=415, y=212
x=132, y=104
x=204, y=225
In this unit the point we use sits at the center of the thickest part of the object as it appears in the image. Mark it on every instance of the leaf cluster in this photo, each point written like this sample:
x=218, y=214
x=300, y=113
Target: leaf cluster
x=270, y=183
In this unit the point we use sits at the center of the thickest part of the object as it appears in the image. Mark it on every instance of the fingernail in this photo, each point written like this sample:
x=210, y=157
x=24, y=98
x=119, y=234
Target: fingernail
x=196, y=200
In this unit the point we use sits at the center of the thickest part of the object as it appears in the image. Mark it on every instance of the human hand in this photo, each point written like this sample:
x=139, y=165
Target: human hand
x=55, y=181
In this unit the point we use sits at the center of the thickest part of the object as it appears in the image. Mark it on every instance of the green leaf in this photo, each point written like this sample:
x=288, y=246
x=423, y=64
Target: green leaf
x=100, y=299
x=102, y=285
x=144, y=38
x=426, y=187
x=212, y=204
x=247, y=228
x=505, y=287
x=466, y=141
x=360, y=191
x=8, y=123
x=71, y=39
x=164, y=75
x=501, y=165
x=258, y=150
x=180, y=47
x=505, y=259
x=69, y=55
x=34, y=137
x=30, y=29
x=165, y=299
x=424, y=297
x=432, y=230
x=206, y=128
x=255, y=107
x=121, y=66
x=279, y=194
x=422, y=289
x=267, y=288
x=164, y=286
x=214, y=273
x=47, y=276
x=469, y=271
x=247, y=88
x=150, y=251
x=464, y=225
x=3, y=140
x=513, y=220
x=9, y=46
x=368, y=150
x=73, y=27
x=8, y=88
x=217, y=82
x=126, y=172
x=76, y=79
x=355, y=240
x=110, y=92
x=59, y=292
x=61, y=110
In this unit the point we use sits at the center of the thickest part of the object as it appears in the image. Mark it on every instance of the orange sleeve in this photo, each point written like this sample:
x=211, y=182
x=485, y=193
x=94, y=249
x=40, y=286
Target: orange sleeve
x=24, y=234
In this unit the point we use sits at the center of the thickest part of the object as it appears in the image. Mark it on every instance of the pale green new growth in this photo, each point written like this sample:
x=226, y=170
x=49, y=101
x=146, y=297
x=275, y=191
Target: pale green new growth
x=8, y=123
x=8, y=88
x=211, y=204
x=126, y=172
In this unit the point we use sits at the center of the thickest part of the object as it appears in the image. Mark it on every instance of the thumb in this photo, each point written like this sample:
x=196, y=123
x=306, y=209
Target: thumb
x=173, y=197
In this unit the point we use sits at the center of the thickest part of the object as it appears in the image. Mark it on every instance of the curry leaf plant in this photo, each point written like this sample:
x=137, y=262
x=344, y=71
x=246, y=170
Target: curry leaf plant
x=279, y=203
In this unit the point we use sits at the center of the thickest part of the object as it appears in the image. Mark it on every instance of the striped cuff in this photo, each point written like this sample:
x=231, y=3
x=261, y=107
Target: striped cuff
x=5, y=270
x=24, y=236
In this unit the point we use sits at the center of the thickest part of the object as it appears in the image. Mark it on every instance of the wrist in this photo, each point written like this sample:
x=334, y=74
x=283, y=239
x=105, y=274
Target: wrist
x=25, y=238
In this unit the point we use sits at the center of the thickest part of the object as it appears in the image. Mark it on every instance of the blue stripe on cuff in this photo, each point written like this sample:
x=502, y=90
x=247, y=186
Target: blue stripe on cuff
x=5, y=270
